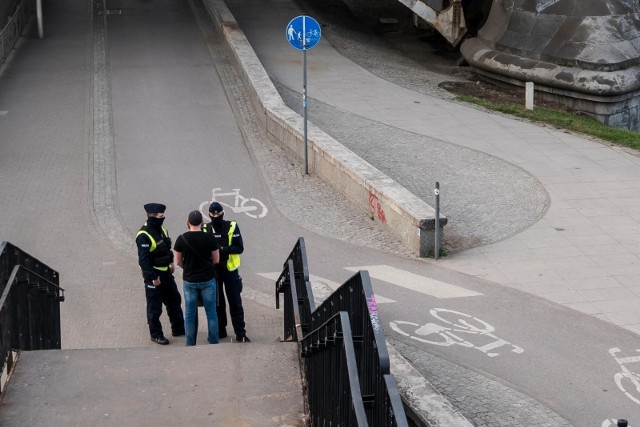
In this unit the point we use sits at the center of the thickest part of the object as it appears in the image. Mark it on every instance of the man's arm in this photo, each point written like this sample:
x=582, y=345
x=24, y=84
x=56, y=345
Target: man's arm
x=178, y=248
x=177, y=259
x=144, y=258
x=215, y=256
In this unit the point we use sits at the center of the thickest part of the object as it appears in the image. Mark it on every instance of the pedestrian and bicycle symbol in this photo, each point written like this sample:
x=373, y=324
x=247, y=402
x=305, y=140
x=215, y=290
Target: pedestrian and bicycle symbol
x=461, y=329
x=303, y=32
x=251, y=207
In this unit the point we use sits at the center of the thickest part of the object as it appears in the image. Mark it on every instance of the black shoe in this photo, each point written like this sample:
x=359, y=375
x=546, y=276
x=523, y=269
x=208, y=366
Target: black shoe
x=179, y=334
x=222, y=334
x=242, y=339
x=160, y=340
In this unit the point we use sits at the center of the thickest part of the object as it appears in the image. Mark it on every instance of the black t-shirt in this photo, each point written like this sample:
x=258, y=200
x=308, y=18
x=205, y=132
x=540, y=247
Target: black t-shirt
x=196, y=265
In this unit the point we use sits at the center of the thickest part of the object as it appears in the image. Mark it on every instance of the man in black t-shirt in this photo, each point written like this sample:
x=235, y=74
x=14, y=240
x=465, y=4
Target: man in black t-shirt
x=196, y=253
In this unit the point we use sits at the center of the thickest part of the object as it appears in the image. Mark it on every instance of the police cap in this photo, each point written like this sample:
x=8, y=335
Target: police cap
x=152, y=208
x=215, y=208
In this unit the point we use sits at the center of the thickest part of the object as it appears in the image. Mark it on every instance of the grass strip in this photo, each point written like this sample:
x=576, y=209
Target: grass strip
x=562, y=120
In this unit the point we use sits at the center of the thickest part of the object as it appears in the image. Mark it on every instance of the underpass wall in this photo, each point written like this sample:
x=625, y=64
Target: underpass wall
x=406, y=216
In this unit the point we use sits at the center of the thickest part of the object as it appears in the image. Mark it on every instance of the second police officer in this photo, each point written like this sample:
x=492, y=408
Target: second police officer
x=227, y=233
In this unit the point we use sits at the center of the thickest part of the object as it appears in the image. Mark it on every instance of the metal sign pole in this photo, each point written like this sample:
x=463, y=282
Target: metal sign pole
x=304, y=91
x=303, y=33
x=39, y=17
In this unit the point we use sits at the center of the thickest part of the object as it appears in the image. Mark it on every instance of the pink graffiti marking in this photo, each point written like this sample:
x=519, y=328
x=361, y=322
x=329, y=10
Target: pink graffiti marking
x=373, y=313
x=376, y=208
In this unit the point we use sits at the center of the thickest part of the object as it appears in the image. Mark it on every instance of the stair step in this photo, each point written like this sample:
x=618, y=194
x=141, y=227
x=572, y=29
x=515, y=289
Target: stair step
x=226, y=385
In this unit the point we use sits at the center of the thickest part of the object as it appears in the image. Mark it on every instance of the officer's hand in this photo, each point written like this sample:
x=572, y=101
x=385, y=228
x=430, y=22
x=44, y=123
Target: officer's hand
x=156, y=282
x=172, y=269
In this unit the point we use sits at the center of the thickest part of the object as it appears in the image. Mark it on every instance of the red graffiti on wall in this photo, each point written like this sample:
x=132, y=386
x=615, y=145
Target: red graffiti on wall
x=376, y=208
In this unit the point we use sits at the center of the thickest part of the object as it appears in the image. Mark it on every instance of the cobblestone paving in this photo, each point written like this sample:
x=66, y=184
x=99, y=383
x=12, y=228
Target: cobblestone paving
x=485, y=198
x=484, y=402
x=103, y=168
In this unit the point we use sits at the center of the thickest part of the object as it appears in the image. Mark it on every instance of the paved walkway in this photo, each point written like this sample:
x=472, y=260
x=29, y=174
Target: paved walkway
x=538, y=209
x=57, y=183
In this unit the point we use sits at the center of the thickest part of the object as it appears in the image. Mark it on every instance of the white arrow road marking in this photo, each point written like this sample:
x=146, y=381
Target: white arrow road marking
x=322, y=287
x=415, y=282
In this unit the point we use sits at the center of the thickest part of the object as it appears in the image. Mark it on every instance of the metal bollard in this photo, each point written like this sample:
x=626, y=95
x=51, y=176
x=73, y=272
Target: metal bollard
x=437, y=230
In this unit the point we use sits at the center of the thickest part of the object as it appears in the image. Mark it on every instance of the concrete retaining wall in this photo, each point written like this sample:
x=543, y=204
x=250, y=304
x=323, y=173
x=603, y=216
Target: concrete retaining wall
x=405, y=215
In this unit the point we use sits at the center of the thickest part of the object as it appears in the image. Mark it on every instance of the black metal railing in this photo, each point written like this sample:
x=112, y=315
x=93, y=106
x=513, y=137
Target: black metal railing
x=11, y=255
x=10, y=34
x=29, y=304
x=286, y=284
x=294, y=284
x=355, y=299
x=332, y=375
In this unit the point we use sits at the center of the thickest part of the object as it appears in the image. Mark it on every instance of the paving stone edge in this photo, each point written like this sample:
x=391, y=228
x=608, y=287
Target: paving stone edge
x=426, y=405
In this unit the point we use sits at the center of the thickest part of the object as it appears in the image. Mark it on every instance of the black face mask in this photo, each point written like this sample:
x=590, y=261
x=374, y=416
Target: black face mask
x=155, y=222
x=217, y=221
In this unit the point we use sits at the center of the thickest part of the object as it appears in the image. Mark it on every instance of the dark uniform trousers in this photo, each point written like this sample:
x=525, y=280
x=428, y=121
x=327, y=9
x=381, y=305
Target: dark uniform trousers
x=166, y=293
x=230, y=283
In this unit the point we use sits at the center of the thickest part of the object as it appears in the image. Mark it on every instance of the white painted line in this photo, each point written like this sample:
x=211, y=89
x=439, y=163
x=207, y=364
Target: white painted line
x=415, y=282
x=270, y=276
x=320, y=284
x=334, y=285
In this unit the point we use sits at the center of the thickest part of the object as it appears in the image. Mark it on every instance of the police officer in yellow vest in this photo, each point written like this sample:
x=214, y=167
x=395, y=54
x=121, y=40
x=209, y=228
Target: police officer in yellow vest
x=156, y=261
x=227, y=234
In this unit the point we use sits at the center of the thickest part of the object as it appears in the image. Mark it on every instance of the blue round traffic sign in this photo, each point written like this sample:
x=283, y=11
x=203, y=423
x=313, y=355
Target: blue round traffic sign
x=303, y=32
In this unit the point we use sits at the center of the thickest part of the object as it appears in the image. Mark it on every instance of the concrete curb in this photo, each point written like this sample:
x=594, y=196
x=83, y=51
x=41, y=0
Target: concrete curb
x=406, y=216
x=425, y=405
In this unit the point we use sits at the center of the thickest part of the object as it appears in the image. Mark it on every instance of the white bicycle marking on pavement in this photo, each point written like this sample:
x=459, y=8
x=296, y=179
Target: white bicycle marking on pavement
x=415, y=282
x=446, y=336
x=610, y=423
x=627, y=376
x=250, y=206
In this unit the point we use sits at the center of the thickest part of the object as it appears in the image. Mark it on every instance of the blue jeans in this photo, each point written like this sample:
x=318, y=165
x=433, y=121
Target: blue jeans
x=208, y=291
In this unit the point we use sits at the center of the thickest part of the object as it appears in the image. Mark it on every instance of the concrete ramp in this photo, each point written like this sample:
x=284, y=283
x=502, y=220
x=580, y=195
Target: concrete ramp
x=220, y=385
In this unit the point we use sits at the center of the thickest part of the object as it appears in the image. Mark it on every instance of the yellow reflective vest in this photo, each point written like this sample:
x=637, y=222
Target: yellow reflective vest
x=234, y=259
x=154, y=245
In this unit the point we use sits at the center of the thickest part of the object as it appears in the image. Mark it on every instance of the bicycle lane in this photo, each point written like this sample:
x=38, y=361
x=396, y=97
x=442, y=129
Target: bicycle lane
x=507, y=348
x=509, y=358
